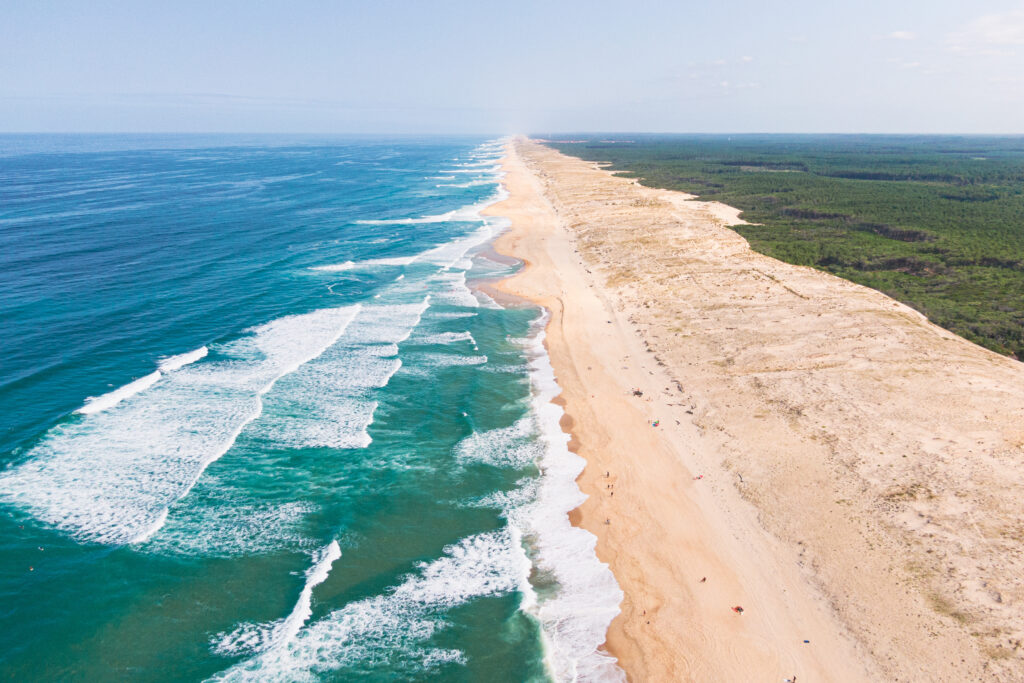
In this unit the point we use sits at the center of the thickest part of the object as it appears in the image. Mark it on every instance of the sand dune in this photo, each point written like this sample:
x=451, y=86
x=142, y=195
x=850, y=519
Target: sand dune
x=848, y=473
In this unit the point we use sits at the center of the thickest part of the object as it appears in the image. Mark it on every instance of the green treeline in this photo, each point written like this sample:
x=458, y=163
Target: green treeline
x=935, y=222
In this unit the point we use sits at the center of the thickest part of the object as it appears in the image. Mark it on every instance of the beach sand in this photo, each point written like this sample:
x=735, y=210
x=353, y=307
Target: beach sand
x=824, y=457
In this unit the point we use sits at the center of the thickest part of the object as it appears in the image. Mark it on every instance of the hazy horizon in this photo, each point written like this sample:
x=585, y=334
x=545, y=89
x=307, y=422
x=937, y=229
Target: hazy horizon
x=459, y=67
x=493, y=134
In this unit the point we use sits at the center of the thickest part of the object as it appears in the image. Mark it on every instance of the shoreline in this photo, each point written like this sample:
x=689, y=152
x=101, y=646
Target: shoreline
x=824, y=456
x=664, y=630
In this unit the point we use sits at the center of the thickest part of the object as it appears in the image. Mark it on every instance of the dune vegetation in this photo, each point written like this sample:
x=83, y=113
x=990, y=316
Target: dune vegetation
x=936, y=222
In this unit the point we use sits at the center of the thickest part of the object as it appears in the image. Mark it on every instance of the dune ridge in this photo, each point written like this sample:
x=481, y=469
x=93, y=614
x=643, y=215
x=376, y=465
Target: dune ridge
x=824, y=457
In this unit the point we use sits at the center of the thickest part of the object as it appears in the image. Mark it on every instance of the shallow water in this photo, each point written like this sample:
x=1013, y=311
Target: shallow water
x=256, y=424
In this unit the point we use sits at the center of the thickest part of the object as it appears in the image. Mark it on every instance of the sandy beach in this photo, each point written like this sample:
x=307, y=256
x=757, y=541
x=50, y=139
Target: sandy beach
x=770, y=437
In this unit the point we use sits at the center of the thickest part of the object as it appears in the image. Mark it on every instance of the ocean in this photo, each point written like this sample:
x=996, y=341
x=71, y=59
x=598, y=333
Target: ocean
x=258, y=423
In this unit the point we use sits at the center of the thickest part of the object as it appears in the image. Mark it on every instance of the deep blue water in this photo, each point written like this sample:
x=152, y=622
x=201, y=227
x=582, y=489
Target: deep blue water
x=256, y=423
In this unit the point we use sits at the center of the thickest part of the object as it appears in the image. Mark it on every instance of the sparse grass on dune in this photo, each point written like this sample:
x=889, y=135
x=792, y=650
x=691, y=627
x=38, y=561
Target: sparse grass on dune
x=935, y=222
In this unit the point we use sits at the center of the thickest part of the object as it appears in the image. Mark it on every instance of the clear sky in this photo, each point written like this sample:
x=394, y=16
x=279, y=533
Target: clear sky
x=384, y=66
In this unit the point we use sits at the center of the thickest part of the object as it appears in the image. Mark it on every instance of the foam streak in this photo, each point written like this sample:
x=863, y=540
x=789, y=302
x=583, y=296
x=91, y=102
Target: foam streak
x=110, y=476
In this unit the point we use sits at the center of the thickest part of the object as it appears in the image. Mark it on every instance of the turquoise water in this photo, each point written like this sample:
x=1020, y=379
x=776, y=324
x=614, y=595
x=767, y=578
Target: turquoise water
x=257, y=424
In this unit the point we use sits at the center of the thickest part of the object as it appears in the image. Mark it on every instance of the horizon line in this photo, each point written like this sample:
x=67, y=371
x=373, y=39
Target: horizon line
x=505, y=134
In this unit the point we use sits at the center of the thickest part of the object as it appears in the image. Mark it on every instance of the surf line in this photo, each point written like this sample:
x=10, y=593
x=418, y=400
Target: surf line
x=161, y=519
x=95, y=404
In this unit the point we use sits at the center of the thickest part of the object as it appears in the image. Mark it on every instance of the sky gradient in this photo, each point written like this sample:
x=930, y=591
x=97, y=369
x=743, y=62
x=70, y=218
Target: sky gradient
x=496, y=67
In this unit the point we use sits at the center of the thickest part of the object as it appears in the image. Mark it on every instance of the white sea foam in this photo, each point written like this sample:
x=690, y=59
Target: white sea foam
x=471, y=183
x=437, y=218
x=110, y=476
x=512, y=446
x=575, y=618
x=446, y=338
x=451, y=254
x=395, y=623
x=347, y=265
x=369, y=263
x=485, y=300
x=483, y=162
x=481, y=171
x=525, y=493
x=230, y=525
x=465, y=214
x=448, y=254
x=576, y=614
x=172, y=363
x=445, y=360
x=253, y=638
x=95, y=404
x=453, y=290
x=328, y=402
